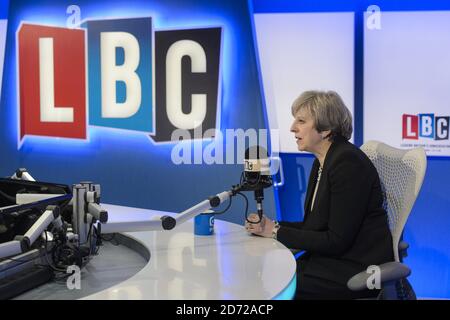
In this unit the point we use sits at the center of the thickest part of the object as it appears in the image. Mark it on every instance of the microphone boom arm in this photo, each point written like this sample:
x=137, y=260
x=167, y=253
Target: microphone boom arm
x=169, y=222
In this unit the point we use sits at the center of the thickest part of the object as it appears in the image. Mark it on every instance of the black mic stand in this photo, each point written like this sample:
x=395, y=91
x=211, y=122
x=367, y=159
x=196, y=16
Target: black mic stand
x=258, y=189
x=259, y=197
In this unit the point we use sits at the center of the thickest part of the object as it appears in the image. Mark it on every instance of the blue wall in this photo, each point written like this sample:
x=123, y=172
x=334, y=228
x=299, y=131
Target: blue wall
x=131, y=169
x=4, y=9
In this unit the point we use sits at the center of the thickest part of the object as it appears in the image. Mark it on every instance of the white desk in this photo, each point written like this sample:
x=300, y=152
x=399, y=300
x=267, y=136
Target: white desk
x=227, y=265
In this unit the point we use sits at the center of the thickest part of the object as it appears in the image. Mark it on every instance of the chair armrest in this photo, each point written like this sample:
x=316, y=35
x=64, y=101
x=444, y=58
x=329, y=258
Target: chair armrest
x=390, y=271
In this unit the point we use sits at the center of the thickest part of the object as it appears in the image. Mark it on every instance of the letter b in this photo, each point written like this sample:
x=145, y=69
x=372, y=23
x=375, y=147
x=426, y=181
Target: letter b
x=426, y=125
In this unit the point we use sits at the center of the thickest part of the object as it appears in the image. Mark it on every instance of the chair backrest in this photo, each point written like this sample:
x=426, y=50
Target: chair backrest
x=401, y=174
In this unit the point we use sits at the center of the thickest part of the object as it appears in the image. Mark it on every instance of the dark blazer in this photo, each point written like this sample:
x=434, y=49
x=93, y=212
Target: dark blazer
x=347, y=230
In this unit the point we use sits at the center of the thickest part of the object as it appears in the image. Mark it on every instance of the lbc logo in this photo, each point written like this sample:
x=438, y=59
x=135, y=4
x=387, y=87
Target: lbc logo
x=117, y=74
x=425, y=126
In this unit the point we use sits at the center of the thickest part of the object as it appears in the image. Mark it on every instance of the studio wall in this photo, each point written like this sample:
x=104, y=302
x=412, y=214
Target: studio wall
x=134, y=167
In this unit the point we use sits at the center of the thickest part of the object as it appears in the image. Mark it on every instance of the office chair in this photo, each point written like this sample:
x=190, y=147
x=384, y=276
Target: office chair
x=401, y=174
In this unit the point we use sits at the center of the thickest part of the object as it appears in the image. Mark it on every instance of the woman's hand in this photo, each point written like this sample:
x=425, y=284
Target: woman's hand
x=264, y=228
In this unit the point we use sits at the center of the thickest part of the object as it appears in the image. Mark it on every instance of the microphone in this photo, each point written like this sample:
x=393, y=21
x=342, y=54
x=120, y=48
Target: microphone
x=256, y=169
x=256, y=175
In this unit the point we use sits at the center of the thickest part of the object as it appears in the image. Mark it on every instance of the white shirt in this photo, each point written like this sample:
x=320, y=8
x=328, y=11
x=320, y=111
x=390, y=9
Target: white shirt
x=319, y=173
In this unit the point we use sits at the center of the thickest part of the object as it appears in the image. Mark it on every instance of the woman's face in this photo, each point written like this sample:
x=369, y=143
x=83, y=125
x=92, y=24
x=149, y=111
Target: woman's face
x=308, y=139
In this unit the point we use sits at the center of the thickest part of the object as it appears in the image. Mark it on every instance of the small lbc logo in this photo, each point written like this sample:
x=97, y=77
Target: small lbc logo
x=425, y=125
x=117, y=73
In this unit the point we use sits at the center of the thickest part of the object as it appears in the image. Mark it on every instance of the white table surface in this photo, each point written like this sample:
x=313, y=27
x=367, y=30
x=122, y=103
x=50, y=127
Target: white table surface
x=231, y=264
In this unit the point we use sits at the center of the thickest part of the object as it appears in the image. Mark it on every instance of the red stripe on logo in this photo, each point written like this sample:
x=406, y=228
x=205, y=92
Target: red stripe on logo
x=69, y=81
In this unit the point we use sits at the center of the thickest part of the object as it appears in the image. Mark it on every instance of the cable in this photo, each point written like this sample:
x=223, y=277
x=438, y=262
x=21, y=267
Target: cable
x=62, y=255
x=89, y=236
x=246, y=204
x=226, y=209
x=246, y=209
x=46, y=255
x=98, y=238
x=110, y=239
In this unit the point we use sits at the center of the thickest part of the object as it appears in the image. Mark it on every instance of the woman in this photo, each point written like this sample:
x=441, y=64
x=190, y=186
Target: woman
x=345, y=228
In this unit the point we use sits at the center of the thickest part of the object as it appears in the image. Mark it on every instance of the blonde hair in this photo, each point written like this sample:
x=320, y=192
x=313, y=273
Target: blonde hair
x=327, y=110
